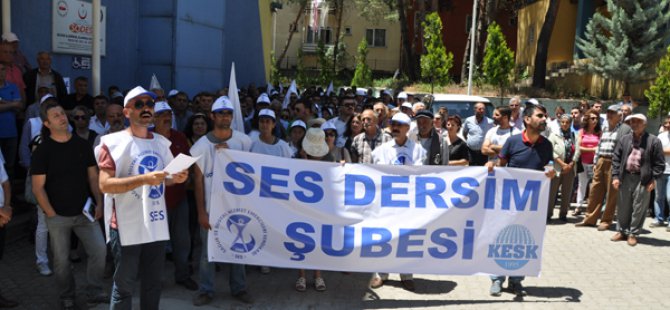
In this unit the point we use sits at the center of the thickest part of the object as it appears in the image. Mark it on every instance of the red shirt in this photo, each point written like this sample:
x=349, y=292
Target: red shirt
x=177, y=192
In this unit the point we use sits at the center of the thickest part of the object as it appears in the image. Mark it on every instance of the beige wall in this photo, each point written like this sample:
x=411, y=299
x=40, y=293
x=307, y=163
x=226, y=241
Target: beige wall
x=561, y=46
x=379, y=58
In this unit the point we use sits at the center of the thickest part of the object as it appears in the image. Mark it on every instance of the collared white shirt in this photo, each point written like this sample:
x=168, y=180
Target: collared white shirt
x=390, y=153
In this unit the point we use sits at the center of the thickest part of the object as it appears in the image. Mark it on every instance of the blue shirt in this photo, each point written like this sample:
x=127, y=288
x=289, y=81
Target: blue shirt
x=475, y=132
x=8, y=118
x=521, y=153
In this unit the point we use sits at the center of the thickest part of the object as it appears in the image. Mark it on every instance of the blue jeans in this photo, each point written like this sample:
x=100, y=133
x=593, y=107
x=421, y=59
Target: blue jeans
x=662, y=196
x=180, y=239
x=512, y=279
x=147, y=260
x=237, y=279
x=60, y=230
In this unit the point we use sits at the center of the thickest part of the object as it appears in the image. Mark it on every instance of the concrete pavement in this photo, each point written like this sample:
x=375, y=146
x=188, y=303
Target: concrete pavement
x=582, y=269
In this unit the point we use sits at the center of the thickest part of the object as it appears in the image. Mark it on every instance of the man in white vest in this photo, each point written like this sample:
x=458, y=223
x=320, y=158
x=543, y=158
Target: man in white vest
x=222, y=137
x=131, y=176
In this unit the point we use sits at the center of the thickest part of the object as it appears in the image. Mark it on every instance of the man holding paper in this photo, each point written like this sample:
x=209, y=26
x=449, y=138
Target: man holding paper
x=65, y=177
x=131, y=176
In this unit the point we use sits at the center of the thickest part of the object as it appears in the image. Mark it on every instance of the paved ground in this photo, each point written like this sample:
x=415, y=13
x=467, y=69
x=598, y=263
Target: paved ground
x=582, y=269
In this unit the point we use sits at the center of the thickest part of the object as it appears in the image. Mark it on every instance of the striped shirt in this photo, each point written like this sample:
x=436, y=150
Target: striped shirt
x=362, y=147
x=607, y=143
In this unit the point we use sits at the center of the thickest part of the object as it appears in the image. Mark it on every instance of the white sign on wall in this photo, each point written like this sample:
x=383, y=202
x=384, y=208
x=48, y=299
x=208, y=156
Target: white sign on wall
x=72, y=27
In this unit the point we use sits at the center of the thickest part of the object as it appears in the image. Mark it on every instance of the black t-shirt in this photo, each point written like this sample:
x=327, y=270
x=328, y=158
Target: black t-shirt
x=459, y=150
x=66, y=168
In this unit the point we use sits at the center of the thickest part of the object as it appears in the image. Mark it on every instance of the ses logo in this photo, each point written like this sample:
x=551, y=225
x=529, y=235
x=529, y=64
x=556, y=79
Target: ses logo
x=240, y=232
x=514, y=247
x=147, y=163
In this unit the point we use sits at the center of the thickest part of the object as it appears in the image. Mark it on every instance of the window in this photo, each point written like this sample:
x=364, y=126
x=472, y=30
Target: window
x=324, y=35
x=376, y=37
x=347, y=31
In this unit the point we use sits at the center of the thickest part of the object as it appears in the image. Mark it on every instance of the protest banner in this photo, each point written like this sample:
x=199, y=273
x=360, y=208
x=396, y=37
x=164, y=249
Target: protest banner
x=305, y=214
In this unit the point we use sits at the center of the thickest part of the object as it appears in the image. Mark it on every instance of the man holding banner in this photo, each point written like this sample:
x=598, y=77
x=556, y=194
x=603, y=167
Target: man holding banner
x=399, y=151
x=222, y=137
x=528, y=150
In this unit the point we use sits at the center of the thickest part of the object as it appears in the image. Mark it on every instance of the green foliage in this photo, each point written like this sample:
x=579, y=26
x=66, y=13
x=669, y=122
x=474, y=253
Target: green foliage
x=625, y=44
x=377, y=10
x=363, y=73
x=300, y=76
x=435, y=63
x=325, y=64
x=659, y=93
x=498, y=64
x=275, y=76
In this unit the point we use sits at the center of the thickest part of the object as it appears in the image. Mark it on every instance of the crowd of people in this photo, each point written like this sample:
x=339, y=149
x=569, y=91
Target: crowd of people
x=106, y=154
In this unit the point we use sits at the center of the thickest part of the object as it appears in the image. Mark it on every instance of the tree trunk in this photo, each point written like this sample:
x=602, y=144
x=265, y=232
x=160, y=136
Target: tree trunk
x=291, y=30
x=339, y=10
x=466, y=59
x=540, y=67
x=408, y=55
x=482, y=26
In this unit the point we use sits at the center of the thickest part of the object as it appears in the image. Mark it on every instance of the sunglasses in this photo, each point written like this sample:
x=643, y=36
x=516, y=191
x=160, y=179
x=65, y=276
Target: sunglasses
x=140, y=104
x=79, y=117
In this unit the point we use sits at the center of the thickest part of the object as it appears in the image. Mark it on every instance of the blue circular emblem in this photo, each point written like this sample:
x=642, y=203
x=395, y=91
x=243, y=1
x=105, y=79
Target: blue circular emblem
x=150, y=164
x=514, y=247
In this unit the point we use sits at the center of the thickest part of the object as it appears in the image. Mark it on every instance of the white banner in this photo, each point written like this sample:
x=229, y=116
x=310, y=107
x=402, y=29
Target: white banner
x=293, y=213
x=72, y=27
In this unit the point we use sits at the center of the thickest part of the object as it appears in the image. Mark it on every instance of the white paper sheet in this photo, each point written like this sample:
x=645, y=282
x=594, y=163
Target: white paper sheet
x=180, y=163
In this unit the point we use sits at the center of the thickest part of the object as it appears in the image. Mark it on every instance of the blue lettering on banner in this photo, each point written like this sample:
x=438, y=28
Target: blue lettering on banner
x=271, y=182
x=350, y=198
x=422, y=192
x=267, y=181
x=470, y=193
x=155, y=216
x=377, y=242
x=511, y=189
x=388, y=190
x=247, y=181
x=301, y=181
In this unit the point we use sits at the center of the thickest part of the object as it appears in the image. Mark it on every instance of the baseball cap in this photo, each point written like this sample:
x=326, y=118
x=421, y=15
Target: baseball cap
x=9, y=37
x=361, y=92
x=45, y=97
x=532, y=101
x=267, y=113
x=402, y=95
x=173, y=93
x=298, y=123
x=406, y=105
x=222, y=103
x=328, y=126
x=401, y=118
x=263, y=98
x=162, y=106
x=424, y=113
x=639, y=116
x=614, y=108
x=136, y=92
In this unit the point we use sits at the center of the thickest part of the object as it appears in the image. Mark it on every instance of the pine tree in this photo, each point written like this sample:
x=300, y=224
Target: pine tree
x=498, y=59
x=363, y=73
x=659, y=93
x=435, y=63
x=626, y=43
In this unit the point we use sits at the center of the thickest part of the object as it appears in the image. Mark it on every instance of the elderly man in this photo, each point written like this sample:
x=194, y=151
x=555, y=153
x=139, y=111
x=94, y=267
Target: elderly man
x=435, y=144
x=365, y=142
x=515, y=119
x=399, y=151
x=43, y=76
x=601, y=183
x=637, y=161
x=474, y=130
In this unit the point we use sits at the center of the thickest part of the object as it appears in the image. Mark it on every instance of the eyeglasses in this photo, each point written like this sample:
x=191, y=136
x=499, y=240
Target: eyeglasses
x=140, y=104
x=79, y=117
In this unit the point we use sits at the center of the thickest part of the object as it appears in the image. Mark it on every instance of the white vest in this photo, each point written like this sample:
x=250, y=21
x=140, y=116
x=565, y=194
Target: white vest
x=141, y=216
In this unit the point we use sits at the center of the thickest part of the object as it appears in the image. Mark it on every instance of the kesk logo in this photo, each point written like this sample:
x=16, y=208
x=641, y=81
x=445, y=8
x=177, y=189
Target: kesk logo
x=240, y=232
x=514, y=247
x=149, y=164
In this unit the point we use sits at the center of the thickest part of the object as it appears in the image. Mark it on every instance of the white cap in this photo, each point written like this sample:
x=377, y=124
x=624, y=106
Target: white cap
x=298, y=123
x=401, y=118
x=173, y=92
x=328, y=126
x=45, y=97
x=267, y=113
x=639, y=116
x=402, y=95
x=162, y=106
x=361, y=92
x=9, y=37
x=406, y=105
x=314, y=143
x=533, y=101
x=117, y=94
x=222, y=103
x=263, y=98
x=386, y=92
x=135, y=92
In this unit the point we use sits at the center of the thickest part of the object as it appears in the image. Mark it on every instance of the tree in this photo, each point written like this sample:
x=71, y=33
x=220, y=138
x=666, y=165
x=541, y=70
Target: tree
x=300, y=76
x=659, y=93
x=275, y=76
x=625, y=44
x=325, y=64
x=363, y=73
x=293, y=28
x=540, y=67
x=498, y=59
x=436, y=62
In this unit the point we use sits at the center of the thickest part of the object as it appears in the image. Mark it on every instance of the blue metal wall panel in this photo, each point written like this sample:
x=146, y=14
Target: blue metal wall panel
x=244, y=43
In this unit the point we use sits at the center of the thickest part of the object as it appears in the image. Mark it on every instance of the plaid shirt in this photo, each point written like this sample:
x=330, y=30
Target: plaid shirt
x=362, y=147
x=607, y=143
